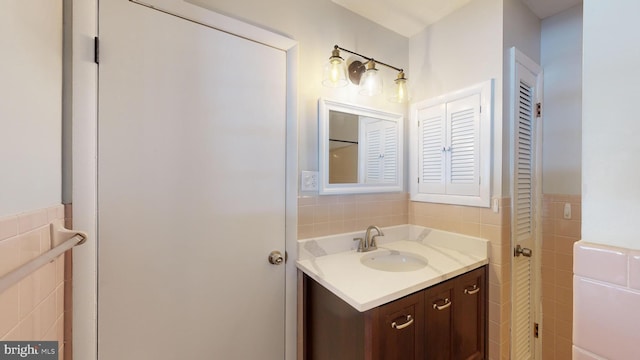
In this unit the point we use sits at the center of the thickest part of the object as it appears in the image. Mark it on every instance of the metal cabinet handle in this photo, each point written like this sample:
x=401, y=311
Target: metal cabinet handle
x=408, y=322
x=446, y=304
x=472, y=290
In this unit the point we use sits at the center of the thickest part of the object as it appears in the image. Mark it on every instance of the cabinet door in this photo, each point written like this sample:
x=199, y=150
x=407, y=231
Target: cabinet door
x=469, y=316
x=333, y=330
x=398, y=329
x=431, y=150
x=439, y=302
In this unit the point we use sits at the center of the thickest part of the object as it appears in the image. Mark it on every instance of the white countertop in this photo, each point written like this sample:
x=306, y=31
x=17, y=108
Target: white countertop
x=334, y=263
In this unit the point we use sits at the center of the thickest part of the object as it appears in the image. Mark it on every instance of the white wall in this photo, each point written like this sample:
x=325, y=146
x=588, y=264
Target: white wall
x=317, y=26
x=610, y=123
x=30, y=104
x=522, y=30
x=561, y=59
x=463, y=49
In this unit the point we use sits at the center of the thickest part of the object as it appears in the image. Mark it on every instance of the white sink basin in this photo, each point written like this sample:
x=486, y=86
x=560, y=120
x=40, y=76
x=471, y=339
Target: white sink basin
x=392, y=260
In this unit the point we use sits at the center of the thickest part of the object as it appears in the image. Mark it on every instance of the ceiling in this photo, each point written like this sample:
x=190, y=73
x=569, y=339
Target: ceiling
x=408, y=17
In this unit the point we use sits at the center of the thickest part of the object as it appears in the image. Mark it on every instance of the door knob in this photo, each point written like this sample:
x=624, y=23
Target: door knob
x=519, y=250
x=276, y=258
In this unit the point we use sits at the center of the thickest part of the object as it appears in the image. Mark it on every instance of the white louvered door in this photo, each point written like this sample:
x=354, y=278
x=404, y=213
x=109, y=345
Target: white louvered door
x=526, y=196
x=372, y=143
x=381, y=150
x=461, y=149
x=390, y=153
x=451, y=147
x=449, y=140
x=431, y=154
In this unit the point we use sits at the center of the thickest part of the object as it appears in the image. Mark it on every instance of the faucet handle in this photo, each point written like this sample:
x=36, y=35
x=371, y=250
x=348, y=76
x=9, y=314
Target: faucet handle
x=360, y=244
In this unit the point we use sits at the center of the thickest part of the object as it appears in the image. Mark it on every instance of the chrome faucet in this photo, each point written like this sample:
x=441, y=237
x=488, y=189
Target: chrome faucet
x=369, y=240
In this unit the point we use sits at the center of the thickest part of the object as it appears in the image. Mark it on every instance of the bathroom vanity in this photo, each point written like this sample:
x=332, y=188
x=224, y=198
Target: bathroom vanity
x=355, y=308
x=445, y=321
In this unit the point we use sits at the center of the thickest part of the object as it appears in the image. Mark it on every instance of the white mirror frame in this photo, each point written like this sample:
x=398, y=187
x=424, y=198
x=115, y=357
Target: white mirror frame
x=325, y=188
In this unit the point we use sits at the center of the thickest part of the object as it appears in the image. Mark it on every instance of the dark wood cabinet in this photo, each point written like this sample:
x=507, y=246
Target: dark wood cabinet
x=333, y=329
x=398, y=329
x=439, y=321
x=455, y=312
x=446, y=321
x=469, y=316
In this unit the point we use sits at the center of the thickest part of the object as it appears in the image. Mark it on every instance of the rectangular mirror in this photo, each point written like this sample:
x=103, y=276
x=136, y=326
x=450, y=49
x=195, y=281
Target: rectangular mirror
x=361, y=149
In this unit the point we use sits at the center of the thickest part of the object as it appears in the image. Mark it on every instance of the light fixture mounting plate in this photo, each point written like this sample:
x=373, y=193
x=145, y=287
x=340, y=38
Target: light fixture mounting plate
x=356, y=69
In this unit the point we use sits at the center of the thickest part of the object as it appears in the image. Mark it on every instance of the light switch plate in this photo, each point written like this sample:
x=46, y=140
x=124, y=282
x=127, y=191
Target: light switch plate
x=308, y=181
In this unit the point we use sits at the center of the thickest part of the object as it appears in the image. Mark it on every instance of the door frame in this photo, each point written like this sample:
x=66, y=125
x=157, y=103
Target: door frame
x=518, y=58
x=85, y=159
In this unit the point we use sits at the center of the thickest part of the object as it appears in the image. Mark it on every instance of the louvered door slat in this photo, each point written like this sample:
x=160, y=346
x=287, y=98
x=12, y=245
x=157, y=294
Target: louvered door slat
x=524, y=155
x=522, y=300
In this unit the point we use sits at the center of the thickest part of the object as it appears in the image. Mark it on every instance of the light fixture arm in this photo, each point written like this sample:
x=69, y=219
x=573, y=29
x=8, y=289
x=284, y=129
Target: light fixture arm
x=368, y=58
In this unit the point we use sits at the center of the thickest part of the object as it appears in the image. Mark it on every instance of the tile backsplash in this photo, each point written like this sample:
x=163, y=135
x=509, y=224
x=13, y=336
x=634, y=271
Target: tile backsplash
x=335, y=214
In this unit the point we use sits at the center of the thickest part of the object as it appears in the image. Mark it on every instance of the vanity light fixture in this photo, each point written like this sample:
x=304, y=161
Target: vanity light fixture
x=370, y=80
x=401, y=93
x=335, y=72
x=363, y=74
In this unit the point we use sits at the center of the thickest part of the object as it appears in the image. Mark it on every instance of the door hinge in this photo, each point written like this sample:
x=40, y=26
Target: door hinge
x=418, y=180
x=538, y=110
x=96, y=50
x=536, y=331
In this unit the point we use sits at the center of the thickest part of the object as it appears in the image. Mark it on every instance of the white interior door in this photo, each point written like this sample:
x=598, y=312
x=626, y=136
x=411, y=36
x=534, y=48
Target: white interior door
x=191, y=190
x=525, y=217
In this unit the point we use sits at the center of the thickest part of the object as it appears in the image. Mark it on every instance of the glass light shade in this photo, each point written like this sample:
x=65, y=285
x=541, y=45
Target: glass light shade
x=401, y=92
x=335, y=71
x=371, y=81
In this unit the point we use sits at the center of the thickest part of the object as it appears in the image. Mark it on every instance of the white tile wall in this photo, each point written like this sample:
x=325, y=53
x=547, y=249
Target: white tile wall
x=606, y=302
